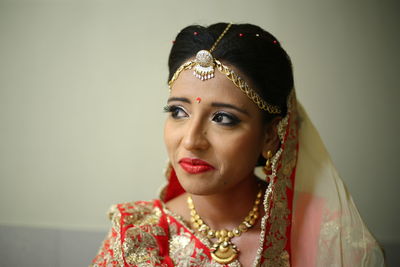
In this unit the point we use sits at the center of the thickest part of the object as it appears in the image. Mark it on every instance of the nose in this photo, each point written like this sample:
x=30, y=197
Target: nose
x=195, y=136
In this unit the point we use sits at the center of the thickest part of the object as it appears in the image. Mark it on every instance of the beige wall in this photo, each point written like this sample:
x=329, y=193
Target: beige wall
x=83, y=83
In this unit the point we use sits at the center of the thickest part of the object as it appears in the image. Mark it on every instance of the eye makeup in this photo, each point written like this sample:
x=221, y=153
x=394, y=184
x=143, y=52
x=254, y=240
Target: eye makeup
x=176, y=112
x=225, y=118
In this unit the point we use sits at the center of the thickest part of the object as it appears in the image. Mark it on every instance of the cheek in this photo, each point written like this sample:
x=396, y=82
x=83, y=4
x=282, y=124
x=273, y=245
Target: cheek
x=171, y=137
x=241, y=151
x=168, y=140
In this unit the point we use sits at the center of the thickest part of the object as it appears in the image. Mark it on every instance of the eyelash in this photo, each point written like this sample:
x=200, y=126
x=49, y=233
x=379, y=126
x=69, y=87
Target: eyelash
x=233, y=120
x=173, y=110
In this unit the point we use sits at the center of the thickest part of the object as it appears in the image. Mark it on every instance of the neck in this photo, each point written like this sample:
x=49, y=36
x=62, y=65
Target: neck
x=226, y=210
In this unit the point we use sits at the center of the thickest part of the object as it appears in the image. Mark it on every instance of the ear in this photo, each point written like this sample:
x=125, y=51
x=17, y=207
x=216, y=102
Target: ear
x=272, y=141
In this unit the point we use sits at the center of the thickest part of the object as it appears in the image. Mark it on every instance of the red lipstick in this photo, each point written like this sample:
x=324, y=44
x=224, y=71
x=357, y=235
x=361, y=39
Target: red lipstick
x=194, y=166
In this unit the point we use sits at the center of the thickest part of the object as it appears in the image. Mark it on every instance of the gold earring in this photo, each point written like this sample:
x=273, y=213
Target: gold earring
x=268, y=163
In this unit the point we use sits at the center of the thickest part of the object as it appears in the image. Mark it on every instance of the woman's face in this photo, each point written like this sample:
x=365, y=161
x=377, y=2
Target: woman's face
x=214, y=133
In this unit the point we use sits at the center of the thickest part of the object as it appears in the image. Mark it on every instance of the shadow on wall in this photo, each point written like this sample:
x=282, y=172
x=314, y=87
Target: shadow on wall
x=40, y=247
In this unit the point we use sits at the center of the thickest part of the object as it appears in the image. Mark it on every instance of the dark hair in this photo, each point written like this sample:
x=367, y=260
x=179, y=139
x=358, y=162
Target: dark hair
x=252, y=50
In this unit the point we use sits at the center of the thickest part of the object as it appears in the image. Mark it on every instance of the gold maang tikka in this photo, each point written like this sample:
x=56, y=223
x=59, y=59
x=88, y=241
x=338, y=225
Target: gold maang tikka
x=204, y=68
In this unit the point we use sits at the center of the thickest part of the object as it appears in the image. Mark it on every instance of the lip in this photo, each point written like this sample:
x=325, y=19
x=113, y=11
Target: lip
x=194, y=166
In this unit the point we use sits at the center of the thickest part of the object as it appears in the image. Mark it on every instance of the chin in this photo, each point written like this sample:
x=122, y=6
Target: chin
x=199, y=186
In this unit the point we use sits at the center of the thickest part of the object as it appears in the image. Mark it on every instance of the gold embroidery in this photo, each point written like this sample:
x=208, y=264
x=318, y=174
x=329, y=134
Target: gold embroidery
x=142, y=214
x=338, y=231
x=183, y=249
x=140, y=247
x=275, y=254
x=117, y=250
x=104, y=255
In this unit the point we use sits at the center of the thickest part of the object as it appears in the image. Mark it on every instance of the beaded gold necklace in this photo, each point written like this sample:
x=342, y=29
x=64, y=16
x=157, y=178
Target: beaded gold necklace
x=224, y=251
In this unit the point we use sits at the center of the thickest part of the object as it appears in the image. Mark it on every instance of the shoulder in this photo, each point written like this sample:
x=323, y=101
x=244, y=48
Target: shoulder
x=137, y=212
x=138, y=228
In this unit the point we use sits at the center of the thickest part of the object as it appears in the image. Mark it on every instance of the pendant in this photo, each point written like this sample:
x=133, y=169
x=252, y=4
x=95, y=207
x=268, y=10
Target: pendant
x=204, y=68
x=224, y=253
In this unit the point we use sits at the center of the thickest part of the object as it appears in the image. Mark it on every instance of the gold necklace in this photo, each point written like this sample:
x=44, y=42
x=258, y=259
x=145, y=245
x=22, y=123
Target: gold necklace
x=224, y=251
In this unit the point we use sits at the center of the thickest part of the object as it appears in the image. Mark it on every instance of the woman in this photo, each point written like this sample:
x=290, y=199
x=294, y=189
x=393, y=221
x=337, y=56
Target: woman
x=232, y=107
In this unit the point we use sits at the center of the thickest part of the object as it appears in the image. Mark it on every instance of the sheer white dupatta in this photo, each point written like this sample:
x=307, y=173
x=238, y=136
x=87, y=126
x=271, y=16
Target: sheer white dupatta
x=327, y=229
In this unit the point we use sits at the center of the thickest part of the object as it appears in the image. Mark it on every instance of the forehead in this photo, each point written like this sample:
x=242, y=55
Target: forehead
x=218, y=89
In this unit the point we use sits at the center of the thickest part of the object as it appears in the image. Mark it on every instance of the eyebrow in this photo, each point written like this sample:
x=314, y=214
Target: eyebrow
x=213, y=104
x=182, y=99
x=225, y=105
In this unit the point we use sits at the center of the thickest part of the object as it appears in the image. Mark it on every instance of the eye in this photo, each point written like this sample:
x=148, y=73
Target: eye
x=177, y=112
x=225, y=118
